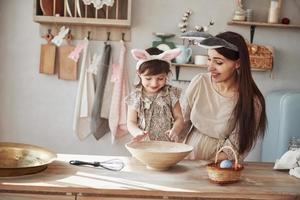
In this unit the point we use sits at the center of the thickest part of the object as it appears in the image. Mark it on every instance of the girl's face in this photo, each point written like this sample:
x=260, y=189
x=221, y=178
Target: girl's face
x=221, y=68
x=153, y=83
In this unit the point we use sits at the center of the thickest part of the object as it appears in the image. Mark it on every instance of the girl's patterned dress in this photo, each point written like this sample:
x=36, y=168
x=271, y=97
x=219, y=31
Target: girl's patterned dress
x=155, y=112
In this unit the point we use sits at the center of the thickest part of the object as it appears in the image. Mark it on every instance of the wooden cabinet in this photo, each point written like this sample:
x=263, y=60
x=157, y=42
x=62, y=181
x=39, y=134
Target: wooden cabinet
x=16, y=196
x=114, y=198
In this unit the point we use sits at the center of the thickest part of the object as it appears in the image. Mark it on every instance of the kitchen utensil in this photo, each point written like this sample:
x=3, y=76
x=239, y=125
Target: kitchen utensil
x=224, y=175
x=67, y=68
x=47, y=56
x=113, y=164
x=200, y=59
x=185, y=55
x=19, y=159
x=158, y=155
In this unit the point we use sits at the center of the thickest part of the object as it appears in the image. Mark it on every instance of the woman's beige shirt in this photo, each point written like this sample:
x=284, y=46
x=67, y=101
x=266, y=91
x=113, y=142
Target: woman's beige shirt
x=210, y=114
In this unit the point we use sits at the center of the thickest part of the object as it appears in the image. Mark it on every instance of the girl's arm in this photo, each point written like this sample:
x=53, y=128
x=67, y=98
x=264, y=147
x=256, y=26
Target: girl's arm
x=132, y=126
x=179, y=124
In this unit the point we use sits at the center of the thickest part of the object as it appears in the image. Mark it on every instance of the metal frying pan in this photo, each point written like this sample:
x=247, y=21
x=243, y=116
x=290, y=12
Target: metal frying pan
x=18, y=159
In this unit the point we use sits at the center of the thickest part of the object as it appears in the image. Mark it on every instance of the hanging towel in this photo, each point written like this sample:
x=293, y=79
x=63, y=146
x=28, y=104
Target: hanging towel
x=84, y=98
x=99, y=126
x=107, y=92
x=117, y=115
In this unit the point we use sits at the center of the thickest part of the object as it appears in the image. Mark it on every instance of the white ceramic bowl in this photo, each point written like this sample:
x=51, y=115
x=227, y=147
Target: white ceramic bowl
x=159, y=155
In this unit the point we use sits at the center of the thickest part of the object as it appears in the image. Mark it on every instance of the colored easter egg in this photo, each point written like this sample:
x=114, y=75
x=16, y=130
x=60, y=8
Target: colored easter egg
x=225, y=164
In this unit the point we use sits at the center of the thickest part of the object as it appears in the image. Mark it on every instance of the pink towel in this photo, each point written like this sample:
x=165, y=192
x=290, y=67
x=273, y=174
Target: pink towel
x=117, y=114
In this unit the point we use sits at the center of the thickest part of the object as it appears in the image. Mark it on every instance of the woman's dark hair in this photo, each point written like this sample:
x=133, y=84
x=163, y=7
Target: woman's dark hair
x=244, y=114
x=154, y=67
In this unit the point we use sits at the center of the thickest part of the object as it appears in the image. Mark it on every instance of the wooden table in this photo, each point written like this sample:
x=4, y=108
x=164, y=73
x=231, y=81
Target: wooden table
x=186, y=180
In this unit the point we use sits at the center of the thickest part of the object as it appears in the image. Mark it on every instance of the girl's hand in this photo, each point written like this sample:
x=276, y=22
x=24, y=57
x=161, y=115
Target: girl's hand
x=172, y=135
x=140, y=137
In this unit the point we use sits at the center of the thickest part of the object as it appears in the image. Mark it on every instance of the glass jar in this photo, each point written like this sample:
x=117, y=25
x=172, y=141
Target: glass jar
x=294, y=143
x=274, y=12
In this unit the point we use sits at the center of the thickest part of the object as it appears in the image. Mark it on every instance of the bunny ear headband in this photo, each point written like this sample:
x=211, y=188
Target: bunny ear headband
x=143, y=56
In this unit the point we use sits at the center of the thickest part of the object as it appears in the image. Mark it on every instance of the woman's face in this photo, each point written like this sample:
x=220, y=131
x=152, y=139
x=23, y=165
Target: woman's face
x=153, y=83
x=221, y=68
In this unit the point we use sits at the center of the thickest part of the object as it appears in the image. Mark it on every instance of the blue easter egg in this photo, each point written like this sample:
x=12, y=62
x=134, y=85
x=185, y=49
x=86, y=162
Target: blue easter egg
x=226, y=164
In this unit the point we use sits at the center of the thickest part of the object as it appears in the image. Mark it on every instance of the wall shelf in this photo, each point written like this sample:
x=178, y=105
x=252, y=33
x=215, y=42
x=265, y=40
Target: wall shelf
x=205, y=66
x=189, y=65
x=263, y=24
x=253, y=25
x=84, y=19
x=178, y=66
x=81, y=21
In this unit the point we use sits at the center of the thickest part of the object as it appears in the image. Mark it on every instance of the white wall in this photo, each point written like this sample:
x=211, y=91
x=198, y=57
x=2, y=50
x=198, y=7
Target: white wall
x=38, y=109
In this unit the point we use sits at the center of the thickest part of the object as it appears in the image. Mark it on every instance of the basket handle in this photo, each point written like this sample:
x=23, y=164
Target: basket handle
x=234, y=153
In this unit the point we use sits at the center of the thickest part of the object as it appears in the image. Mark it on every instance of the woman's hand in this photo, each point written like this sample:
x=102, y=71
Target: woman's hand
x=140, y=137
x=172, y=135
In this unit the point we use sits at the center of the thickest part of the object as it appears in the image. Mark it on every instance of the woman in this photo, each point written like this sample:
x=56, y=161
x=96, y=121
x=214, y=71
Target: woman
x=224, y=106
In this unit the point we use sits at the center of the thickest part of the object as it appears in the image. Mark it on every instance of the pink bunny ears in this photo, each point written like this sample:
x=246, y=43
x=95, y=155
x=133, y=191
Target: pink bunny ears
x=143, y=56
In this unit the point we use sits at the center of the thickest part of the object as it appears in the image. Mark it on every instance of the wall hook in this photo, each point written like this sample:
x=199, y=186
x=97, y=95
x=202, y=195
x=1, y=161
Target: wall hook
x=252, y=32
x=89, y=35
x=69, y=36
x=108, y=36
x=48, y=36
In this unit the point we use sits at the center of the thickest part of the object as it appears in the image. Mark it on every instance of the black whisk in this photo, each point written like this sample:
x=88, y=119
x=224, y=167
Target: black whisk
x=113, y=164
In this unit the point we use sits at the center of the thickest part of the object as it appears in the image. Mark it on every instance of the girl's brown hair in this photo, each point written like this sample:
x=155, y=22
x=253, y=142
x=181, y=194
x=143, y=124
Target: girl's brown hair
x=154, y=67
x=244, y=113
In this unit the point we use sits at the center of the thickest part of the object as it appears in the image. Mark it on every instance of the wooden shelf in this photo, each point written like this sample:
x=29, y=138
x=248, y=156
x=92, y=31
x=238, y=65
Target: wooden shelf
x=189, y=65
x=81, y=21
x=260, y=70
x=205, y=66
x=263, y=24
x=253, y=25
x=117, y=15
x=178, y=66
x=113, y=21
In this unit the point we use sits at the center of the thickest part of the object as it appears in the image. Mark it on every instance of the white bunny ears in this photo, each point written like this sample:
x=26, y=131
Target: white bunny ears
x=143, y=56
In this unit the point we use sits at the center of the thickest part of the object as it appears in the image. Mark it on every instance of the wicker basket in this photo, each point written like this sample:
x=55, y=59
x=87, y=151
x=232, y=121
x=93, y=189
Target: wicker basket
x=224, y=175
x=261, y=57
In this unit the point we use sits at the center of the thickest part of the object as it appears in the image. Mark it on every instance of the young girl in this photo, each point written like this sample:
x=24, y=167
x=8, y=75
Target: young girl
x=154, y=111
